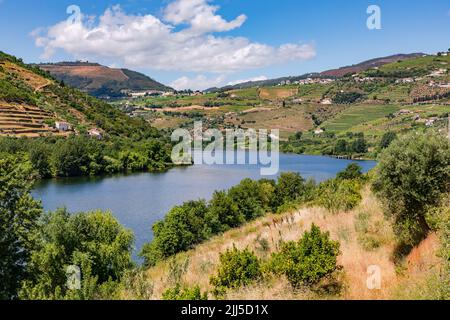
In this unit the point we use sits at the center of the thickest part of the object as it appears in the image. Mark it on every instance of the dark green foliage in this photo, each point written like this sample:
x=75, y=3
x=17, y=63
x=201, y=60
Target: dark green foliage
x=182, y=228
x=19, y=214
x=95, y=242
x=359, y=145
x=237, y=269
x=341, y=147
x=194, y=222
x=353, y=171
x=184, y=294
x=387, y=139
x=339, y=195
x=347, y=97
x=81, y=155
x=248, y=197
x=223, y=213
x=413, y=173
x=289, y=188
x=308, y=261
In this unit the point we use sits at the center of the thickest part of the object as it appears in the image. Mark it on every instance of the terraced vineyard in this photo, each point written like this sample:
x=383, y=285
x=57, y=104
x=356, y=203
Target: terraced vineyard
x=22, y=120
x=357, y=115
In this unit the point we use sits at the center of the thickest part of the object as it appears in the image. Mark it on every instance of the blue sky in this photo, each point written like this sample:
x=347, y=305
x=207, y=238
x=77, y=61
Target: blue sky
x=201, y=43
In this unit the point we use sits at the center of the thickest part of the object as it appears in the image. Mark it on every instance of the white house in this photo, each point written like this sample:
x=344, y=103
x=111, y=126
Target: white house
x=319, y=131
x=326, y=101
x=62, y=126
x=95, y=133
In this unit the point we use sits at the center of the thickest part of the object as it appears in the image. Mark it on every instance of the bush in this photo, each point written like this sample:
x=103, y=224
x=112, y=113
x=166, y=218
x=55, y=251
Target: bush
x=289, y=188
x=237, y=268
x=413, y=174
x=184, y=294
x=307, y=261
x=94, y=241
x=339, y=195
x=182, y=228
x=353, y=171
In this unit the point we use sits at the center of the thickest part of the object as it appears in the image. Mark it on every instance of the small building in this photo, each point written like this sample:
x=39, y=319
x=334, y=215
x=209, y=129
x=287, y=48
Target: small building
x=62, y=126
x=318, y=131
x=326, y=101
x=95, y=133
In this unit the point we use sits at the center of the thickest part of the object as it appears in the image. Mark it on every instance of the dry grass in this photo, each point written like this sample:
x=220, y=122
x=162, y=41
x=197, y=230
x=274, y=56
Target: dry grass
x=355, y=258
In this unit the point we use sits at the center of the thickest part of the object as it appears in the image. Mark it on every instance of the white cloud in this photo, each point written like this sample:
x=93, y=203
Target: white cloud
x=260, y=78
x=186, y=40
x=199, y=82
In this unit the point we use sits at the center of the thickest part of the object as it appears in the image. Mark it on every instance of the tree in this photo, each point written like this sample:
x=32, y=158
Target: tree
x=413, y=173
x=94, y=241
x=223, y=214
x=182, y=228
x=359, y=145
x=353, y=171
x=387, y=139
x=307, y=261
x=19, y=214
x=341, y=147
x=248, y=197
x=289, y=188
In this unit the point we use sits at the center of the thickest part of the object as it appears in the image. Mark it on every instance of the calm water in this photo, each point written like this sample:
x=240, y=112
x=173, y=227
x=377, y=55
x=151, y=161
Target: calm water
x=139, y=200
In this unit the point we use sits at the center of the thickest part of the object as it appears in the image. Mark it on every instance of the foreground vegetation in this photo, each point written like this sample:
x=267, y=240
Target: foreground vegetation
x=318, y=244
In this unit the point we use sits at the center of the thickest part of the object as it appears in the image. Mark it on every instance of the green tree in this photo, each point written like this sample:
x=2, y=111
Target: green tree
x=40, y=158
x=413, y=173
x=289, y=188
x=307, y=261
x=387, y=139
x=182, y=228
x=341, y=147
x=248, y=197
x=353, y=171
x=19, y=215
x=223, y=213
x=93, y=241
x=359, y=145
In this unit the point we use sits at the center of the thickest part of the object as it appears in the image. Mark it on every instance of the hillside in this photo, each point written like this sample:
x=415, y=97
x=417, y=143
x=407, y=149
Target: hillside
x=366, y=239
x=31, y=101
x=101, y=81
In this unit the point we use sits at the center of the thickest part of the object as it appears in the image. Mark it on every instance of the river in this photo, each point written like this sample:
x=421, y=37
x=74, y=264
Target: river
x=139, y=200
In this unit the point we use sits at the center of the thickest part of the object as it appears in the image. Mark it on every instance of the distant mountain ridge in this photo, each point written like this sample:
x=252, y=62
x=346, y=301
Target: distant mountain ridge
x=101, y=81
x=333, y=73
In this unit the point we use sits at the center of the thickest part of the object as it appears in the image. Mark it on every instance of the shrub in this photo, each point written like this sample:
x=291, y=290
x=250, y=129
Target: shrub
x=184, y=294
x=387, y=139
x=353, y=171
x=223, y=213
x=413, y=174
x=339, y=195
x=307, y=261
x=182, y=228
x=289, y=188
x=237, y=268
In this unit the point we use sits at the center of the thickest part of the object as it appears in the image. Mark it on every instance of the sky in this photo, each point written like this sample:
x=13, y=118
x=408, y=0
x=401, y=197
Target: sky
x=199, y=44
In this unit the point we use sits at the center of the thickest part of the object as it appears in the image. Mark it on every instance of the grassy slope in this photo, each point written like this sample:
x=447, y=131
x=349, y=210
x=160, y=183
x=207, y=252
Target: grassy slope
x=355, y=230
